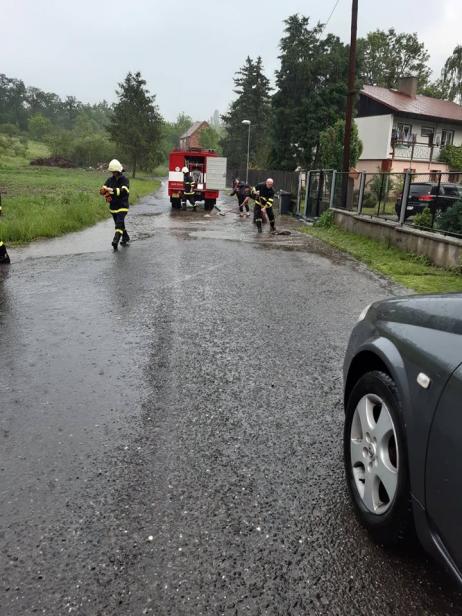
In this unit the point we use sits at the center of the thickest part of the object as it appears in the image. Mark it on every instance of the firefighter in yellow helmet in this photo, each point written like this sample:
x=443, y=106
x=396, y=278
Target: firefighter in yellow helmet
x=116, y=191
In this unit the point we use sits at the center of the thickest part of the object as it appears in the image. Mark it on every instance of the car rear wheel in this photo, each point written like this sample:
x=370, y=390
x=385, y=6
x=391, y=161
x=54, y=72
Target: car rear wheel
x=376, y=458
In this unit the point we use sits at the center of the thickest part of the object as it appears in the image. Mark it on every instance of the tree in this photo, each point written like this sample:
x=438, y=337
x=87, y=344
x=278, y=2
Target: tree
x=311, y=91
x=136, y=124
x=451, y=75
x=12, y=102
x=384, y=57
x=172, y=132
x=253, y=103
x=452, y=156
x=39, y=126
x=210, y=139
x=331, y=146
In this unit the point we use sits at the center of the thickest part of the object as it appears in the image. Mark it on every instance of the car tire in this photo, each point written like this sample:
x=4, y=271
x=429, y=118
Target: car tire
x=375, y=458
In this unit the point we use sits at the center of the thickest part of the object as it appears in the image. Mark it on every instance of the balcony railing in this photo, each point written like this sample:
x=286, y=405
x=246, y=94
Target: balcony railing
x=409, y=149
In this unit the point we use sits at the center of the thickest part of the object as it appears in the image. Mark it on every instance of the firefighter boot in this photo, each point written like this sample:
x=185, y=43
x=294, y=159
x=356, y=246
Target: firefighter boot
x=258, y=223
x=4, y=257
x=125, y=238
x=116, y=240
x=273, y=228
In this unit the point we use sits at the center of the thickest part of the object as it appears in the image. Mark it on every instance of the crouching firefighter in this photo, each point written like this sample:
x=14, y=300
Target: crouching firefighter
x=4, y=257
x=116, y=191
x=263, y=194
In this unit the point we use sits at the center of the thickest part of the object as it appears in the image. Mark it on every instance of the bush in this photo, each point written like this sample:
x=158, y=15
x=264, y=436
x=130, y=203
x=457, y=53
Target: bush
x=9, y=129
x=326, y=220
x=424, y=219
x=451, y=219
x=369, y=200
x=11, y=146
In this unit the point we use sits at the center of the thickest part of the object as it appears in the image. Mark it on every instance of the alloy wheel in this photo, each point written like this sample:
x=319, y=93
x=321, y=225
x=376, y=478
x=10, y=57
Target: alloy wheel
x=374, y=454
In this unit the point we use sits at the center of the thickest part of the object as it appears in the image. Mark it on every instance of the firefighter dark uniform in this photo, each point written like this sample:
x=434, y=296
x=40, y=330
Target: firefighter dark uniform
x=263, y=201
x=242, y=190
x=118, y=206
x=4, y=257
x=189, y=193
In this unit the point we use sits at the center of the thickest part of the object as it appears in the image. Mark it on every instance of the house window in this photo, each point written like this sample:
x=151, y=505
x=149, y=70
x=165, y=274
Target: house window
x=404, y=132
x=434, y=174
x=447, y=137
x=427, y=132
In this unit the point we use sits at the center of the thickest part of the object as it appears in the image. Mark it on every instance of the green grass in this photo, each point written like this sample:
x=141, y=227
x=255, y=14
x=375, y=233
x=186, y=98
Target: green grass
x=160, y=172
x=47, y=202
x=412, y=271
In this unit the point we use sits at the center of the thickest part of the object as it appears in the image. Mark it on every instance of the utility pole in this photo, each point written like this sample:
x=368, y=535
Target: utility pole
x=248, y=122
x=351, y=89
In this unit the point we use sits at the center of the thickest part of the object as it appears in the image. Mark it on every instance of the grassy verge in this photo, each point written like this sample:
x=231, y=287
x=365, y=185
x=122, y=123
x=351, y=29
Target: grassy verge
x=410, y=270
x=47, y=202
x=160, y=172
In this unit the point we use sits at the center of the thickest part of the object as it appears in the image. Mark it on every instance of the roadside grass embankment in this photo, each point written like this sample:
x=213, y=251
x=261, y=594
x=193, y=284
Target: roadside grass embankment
x=410, y=270
x=44, y=202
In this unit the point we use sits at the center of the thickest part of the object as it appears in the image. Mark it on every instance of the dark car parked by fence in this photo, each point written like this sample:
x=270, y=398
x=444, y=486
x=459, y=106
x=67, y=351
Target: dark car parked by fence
x=437, y=197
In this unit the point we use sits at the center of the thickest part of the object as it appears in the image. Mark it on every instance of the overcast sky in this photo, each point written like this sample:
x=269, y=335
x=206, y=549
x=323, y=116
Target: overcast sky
x=187, y=51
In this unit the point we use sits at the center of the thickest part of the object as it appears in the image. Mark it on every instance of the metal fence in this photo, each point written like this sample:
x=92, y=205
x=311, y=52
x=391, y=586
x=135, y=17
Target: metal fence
x=415, y=199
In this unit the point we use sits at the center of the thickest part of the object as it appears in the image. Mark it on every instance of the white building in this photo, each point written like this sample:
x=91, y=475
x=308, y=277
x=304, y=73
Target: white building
x=402, y=130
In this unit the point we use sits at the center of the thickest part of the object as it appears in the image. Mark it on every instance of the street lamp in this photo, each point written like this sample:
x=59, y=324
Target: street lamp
x=248, y=122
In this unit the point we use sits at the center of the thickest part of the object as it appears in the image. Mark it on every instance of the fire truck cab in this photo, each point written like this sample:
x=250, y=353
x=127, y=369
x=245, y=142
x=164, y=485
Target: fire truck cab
x=207, y=169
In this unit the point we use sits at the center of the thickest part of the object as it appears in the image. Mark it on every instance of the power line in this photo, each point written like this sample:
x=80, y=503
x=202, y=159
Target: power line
x=331, y=13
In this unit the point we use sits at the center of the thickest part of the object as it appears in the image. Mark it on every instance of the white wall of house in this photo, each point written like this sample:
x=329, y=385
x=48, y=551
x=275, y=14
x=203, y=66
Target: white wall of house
x=375, y=134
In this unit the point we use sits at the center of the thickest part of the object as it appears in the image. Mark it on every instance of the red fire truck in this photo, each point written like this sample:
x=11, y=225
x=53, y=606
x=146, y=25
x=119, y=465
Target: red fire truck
x=207, y=169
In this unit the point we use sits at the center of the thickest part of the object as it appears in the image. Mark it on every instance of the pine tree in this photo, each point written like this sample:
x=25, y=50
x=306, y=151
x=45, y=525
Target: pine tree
x=311, y=92
x=253, y=103
x=136, y=124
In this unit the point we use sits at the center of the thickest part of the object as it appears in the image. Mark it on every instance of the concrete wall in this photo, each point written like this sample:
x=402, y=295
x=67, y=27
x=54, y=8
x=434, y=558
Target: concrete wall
x=375, y=133
x=443, y=251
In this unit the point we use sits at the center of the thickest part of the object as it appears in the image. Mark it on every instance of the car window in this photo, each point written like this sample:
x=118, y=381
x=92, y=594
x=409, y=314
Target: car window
x=453, y=191
x=420, y=189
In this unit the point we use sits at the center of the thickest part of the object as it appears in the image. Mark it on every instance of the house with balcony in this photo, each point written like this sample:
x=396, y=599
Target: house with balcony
x=402, y=130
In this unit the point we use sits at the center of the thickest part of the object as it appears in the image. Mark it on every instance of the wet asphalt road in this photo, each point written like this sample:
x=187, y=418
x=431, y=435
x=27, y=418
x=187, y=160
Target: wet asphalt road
x=170, y=425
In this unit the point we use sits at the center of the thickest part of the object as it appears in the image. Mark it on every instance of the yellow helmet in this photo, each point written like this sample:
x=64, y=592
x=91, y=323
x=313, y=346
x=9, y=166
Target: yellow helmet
x=114, y=165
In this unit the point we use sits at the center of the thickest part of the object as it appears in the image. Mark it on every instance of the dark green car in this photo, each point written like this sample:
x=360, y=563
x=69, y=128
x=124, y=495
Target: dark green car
x=403, y=423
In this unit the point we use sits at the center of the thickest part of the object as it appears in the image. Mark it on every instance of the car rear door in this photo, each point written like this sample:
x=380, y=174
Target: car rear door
x=444, y=468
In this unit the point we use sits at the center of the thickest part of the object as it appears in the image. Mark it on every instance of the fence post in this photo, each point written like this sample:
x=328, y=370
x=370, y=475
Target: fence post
x=299, y=193
x=307, y=191
x=332, y=189
x=433, y=209
x=406, y=188
x=320, y=189
x=362, y=184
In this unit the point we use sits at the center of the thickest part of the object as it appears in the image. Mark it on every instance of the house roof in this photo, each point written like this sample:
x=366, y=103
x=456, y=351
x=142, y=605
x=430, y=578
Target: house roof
x=420, y=105
x=190, y=132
